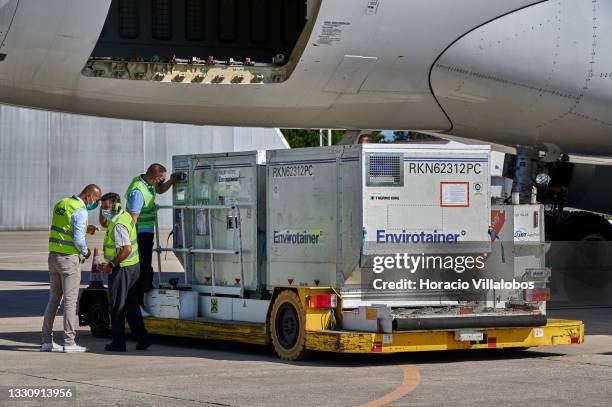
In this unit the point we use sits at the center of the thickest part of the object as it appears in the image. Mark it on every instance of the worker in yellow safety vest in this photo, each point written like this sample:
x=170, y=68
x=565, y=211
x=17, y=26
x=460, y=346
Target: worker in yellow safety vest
x=122, y=265
x=140, y=198
x=67, y=250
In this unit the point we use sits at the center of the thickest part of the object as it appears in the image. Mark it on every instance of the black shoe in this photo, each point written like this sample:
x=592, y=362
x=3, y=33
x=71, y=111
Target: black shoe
x=143, y=345
x=111, y=347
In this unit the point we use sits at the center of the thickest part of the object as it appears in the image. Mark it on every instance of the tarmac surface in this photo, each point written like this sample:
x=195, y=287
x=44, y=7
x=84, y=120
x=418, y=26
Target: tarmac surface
x=194, y=372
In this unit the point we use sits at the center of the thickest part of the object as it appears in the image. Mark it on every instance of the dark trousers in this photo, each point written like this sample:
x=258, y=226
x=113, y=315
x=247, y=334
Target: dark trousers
x=145, y=252
x=123, y=285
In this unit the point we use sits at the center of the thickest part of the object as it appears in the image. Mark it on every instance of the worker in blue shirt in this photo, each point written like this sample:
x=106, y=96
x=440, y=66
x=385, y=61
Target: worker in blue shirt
x=67, y=250
x=140, y=197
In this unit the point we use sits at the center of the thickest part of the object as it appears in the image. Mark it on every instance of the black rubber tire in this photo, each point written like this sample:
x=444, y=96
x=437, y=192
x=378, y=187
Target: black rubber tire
x=288, y=326
x=584, y=245
x=584, y=226
x=99, y=317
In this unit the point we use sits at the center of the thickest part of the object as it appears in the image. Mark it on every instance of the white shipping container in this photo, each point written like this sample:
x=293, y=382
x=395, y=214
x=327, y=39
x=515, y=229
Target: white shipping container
x=331, y=209
x=317, y=216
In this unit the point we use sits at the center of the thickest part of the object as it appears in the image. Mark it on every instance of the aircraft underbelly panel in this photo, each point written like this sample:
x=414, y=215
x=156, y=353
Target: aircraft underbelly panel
x=350, y=74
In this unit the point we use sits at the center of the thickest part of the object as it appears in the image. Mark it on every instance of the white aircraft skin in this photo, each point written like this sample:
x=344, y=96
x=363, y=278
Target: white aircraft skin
x=540, y=75
x=473, y=67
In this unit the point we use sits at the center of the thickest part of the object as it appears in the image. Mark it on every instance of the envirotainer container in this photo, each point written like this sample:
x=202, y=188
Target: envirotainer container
x=315, y=216
x=223, y=209
x=330, y=209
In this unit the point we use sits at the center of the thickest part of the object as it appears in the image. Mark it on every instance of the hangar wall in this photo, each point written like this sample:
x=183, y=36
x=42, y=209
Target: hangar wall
x=47, y=155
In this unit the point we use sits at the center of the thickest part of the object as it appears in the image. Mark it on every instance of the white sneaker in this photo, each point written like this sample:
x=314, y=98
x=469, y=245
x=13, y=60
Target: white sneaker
x=74, y=349
x=50, y=347
x=144, y=313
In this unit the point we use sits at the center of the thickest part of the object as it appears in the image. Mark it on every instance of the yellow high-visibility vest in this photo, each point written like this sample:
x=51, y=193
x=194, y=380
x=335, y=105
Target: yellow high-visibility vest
x=110, y=250
x=61, y=233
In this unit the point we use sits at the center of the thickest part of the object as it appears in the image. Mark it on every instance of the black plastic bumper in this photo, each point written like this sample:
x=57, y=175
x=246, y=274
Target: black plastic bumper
x=466, y=322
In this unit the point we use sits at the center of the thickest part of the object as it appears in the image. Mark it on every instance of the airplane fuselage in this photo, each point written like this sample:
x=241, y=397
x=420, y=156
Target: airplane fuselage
x=506, y=71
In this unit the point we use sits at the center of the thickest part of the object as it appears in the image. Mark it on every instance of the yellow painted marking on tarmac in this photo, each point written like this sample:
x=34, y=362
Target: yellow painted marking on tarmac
x=412, y=378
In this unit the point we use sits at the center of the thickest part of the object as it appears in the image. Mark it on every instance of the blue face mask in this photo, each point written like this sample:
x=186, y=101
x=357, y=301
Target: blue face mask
x=92, y=206
x=107, y=214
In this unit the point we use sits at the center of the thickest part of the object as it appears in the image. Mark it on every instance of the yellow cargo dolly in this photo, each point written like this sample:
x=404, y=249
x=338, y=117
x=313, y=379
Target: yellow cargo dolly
x=294, y=326
x=313, y=329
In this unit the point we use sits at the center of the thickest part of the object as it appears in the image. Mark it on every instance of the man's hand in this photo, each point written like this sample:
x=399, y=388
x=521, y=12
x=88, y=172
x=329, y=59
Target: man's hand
x=176, y=176
x=83, y=257
x=164, y=186
x=107, y=268
x=91, y=229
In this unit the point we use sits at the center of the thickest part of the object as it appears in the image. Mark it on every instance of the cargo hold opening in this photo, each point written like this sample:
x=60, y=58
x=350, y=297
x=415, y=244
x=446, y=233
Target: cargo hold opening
x=265, y=31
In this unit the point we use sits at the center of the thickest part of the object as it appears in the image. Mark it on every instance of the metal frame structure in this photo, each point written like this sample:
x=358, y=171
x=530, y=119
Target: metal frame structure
x=189, y=251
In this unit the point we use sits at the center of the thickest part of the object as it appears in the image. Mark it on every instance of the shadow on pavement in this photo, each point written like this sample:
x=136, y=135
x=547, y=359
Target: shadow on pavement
x=37, y=276
x=26, y=275
x=217, y=350
x=23, y=301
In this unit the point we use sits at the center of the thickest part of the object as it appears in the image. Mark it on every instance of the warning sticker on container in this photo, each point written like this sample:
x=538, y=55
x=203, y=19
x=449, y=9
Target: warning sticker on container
x=455, y=194
x=372, y=7
x=498, y=219
x=228, y=181
x=371, y=314
x=228, y=176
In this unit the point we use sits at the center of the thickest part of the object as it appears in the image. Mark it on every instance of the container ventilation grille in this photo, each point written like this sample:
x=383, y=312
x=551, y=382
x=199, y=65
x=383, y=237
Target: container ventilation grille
x=385, y=170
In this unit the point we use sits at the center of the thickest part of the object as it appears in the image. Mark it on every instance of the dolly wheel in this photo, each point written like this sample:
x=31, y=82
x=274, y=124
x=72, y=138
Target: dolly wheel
x=99, y=318
x=288, y=326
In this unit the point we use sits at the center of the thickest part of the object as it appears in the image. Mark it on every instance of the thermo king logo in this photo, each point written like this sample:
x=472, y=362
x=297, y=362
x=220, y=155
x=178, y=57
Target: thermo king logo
x=294, y=237
x=382, y=236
